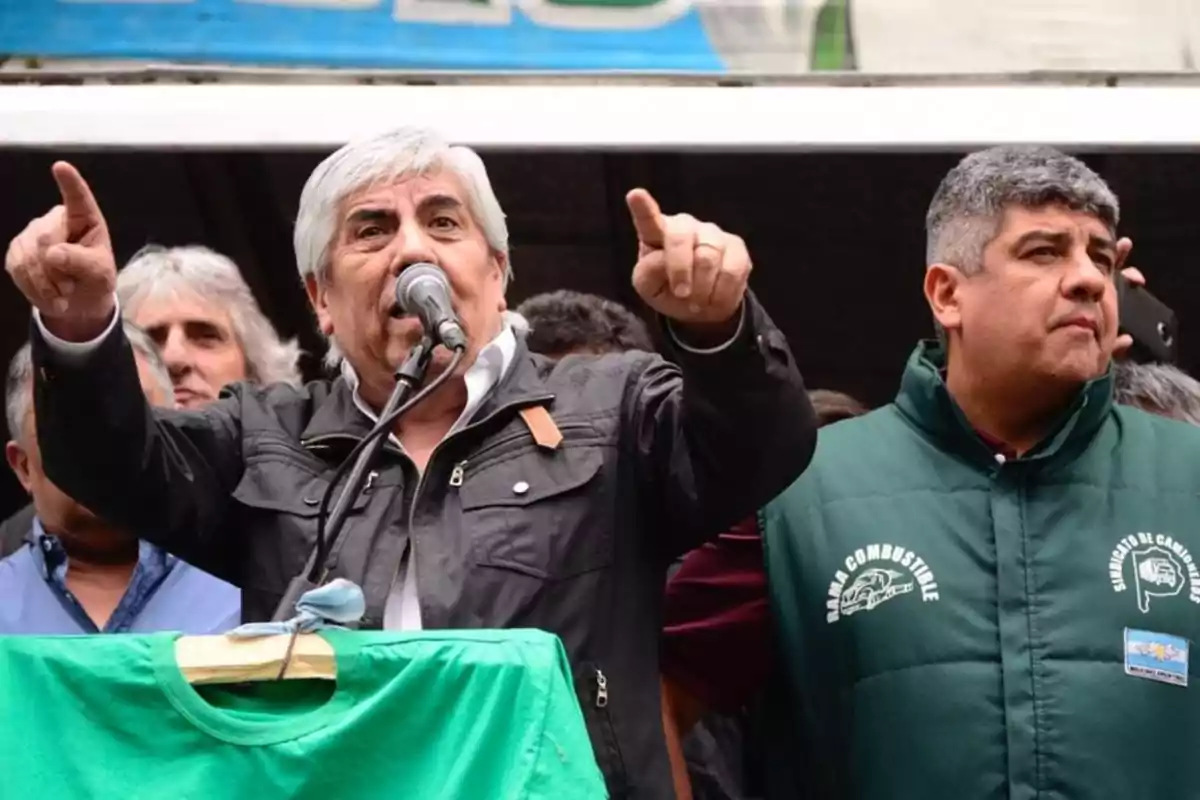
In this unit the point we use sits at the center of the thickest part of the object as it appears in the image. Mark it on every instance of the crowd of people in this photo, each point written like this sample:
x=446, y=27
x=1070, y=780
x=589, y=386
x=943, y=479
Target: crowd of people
x=948, y=596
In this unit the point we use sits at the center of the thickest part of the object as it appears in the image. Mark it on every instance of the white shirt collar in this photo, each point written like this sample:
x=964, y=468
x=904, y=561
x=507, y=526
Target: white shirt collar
x=489, y=367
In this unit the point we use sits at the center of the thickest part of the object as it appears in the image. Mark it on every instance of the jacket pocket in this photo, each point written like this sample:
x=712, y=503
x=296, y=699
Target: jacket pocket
x=278, y=502
x=594, y=693
x=539, y=514
x=511, y=443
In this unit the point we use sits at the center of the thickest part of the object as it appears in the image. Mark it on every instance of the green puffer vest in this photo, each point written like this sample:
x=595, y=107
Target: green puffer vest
x=955, y=625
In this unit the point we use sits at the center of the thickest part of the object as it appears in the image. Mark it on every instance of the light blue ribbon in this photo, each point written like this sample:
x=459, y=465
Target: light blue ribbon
x=338, y=601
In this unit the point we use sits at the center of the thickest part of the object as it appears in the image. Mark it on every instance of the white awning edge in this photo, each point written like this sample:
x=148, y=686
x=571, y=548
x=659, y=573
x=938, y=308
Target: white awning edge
x=620, y=117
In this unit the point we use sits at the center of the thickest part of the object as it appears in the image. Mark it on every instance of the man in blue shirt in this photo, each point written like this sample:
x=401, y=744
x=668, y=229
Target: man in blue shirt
x=76, y=574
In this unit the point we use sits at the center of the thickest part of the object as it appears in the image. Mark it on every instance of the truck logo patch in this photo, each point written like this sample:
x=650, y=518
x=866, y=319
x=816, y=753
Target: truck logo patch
x=1153, y=565
x=875, y=574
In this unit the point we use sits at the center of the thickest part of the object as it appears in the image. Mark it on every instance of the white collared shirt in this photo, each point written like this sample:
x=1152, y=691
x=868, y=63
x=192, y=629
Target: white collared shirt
x=481, y=378
x=403, y=608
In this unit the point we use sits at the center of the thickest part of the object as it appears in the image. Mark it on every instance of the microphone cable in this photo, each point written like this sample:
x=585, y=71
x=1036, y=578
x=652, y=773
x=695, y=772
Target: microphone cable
x=381, y=429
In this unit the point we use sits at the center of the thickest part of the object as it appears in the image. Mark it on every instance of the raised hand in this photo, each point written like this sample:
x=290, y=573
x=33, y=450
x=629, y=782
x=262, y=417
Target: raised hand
x=63, y=261
x=689, y=271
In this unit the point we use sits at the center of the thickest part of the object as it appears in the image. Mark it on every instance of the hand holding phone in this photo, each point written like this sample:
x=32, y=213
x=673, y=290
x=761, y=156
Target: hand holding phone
x=1151, y=322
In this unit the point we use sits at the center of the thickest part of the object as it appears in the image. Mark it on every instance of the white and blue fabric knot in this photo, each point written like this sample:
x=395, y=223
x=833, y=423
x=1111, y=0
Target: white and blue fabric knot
x=328, y=606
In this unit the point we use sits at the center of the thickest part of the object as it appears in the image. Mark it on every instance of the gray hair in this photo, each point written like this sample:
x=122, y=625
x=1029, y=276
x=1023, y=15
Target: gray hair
x=18, y=387
x=1158, y=388
x=386, y=157
x=966, y=210
x=154, y=271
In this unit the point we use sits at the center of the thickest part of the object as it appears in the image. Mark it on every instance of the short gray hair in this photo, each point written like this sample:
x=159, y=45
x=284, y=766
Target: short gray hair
x=18, y=387
x=1158, y=388
x=967, y=208
x=154, y=271
x=386, y=157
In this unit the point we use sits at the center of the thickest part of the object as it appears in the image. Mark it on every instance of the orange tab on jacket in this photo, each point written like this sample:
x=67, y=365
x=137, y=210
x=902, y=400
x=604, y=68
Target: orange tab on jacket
x=541, y=427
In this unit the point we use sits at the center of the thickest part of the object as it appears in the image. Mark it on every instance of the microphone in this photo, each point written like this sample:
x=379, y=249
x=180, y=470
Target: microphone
x=424, y=291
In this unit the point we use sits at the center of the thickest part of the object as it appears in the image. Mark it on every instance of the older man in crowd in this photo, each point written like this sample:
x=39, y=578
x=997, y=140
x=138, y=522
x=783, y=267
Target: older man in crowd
x=987, y=588
x=523, y=493
x=196, y=306
x=76, y=574
x=194, y=303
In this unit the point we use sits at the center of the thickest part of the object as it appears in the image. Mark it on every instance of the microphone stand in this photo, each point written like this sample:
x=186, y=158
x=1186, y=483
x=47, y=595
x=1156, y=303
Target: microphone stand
x=408, y=377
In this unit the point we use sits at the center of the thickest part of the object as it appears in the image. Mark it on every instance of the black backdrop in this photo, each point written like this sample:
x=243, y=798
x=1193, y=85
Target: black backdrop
x=837, y=238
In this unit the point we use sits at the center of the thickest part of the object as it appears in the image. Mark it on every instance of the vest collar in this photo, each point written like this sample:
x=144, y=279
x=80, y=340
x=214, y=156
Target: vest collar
x=926, y=402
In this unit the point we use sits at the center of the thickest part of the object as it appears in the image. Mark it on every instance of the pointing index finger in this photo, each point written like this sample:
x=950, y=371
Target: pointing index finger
x=647, y=218
x=82, y=210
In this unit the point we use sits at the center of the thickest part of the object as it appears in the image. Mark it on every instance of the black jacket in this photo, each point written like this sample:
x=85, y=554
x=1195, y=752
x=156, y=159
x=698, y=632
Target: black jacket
x=655, y=459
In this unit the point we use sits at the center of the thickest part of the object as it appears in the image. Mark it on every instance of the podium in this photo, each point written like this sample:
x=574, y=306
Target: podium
x=435, y=715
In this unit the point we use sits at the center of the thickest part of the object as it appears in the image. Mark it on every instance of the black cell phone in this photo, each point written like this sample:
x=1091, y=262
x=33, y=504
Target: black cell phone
x=1151, y=322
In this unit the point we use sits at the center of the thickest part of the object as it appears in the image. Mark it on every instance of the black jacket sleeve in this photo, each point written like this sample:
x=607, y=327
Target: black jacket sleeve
x=722, y=433
x=165, y=476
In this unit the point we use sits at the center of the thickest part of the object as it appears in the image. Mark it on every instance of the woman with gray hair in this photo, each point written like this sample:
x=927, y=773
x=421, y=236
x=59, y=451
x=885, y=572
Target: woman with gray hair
x=195, y=305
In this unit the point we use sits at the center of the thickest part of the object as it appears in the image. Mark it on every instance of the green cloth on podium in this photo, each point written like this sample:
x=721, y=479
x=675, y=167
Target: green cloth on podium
x=420, y=716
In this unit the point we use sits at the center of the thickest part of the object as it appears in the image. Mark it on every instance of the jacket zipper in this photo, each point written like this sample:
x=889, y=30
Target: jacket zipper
x=601, y=689
x=349, y=439
x=459, y=472
x=456, y=473
x=611, y=756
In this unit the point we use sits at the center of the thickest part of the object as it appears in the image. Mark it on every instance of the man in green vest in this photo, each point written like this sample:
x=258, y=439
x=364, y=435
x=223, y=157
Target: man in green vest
x=988, y=588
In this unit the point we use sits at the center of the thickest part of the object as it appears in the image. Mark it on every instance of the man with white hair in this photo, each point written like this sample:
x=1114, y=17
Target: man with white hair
x=523, y=492
x=195, y=305
x=77, y=574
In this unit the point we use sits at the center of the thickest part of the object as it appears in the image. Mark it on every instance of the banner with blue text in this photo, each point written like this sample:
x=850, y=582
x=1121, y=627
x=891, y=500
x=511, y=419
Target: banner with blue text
x=780, y=37
x=477, y=35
